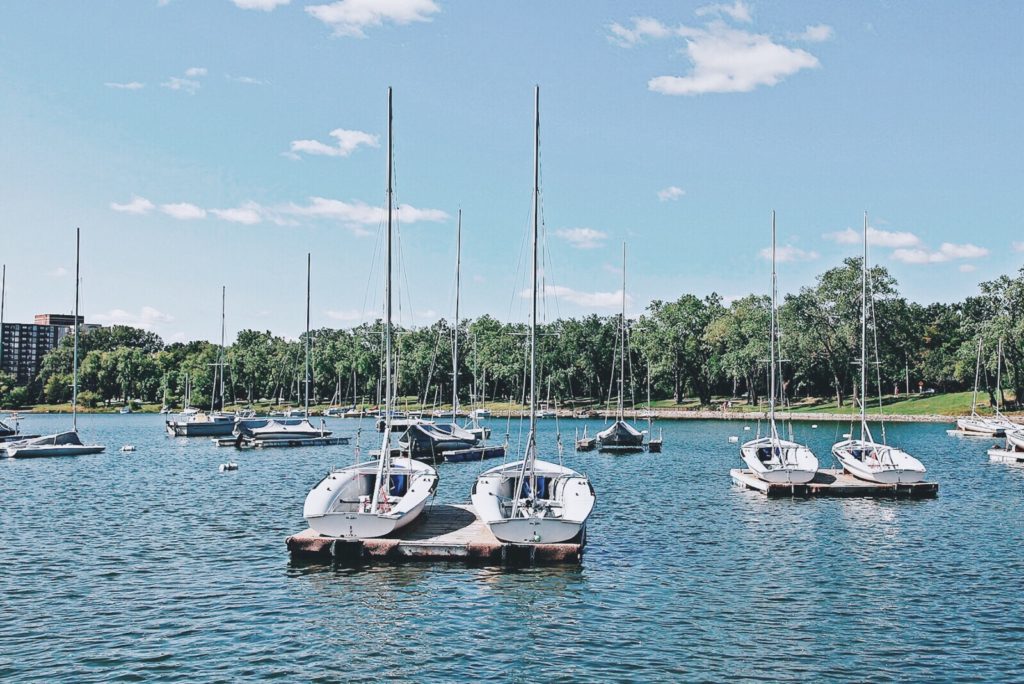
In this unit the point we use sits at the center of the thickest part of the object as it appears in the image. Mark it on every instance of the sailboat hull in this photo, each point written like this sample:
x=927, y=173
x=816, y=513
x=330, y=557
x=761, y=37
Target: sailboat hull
x=879, y=463
x=779, y=461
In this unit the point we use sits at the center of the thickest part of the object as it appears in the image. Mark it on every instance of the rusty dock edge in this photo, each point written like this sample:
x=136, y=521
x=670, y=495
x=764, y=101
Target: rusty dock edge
x=443, y=533
x=835, y=483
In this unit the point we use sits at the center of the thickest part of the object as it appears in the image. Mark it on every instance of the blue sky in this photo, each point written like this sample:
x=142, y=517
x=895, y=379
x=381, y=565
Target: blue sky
x=208, y=142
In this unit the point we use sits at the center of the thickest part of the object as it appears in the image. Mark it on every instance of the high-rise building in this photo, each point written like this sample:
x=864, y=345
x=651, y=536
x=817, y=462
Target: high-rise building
x=25, y=344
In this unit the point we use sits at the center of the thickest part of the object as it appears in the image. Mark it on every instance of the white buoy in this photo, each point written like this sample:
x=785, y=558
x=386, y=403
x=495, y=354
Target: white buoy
x=814, y=427
x=747, y=428
x=128, y=447
x=734, y=439
x=846, y=435
x=224, y=467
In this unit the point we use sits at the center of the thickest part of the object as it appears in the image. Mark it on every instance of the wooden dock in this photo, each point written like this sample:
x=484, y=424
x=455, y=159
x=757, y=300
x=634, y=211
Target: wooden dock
x=835, y=483
x=1010, y=456
x=442, y=533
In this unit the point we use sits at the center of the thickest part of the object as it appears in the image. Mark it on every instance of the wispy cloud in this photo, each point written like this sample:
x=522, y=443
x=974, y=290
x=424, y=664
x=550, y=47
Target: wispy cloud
x=947, y=252
x=590, y=300
x=147, y=318
x=819, y=33
x=724, y=59
x=183, y=211
x=1018, y=246
x=137, y=205
x=582, y=238
x=670, y=193
x=353, y=17
x=130, y=85
x=248, y=214
x=876, y=237
x=248, y=80
x=264, y=5
x=347, y=142
x=789, y=253
x=195, y=72
x=188, y=83
x=58, y=272
x=739, y=11
x=359, y=214
x=968, y=268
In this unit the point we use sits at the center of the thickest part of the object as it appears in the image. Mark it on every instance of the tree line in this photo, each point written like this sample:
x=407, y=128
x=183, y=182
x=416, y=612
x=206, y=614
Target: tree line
x=692, y=348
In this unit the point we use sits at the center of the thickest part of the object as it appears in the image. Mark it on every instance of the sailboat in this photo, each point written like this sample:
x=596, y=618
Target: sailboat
x=450, y=441
x=193, y=423
x=374, y=498
x=297, y=430
x=864, y=458
x=621, y=437
x=772, y=458
x=533, y=501
x=976, y=425
x=62, y=443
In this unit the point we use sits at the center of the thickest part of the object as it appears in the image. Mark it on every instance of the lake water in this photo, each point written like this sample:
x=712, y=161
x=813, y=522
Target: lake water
x=155, y=566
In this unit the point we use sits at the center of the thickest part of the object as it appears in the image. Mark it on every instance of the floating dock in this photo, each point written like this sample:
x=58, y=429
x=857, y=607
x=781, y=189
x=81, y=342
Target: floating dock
x=442, y=533
x=835, y=483
x=1001, y=455
x=271, y=443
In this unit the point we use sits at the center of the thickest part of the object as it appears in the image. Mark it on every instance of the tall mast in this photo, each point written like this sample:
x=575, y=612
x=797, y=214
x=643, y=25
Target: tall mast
x=864, y=332
x=999, y=376
x=622, y=342
x=977, y=376
x=74, y=361
x=223, y=300
x=533, y=318
x=383, y=464
x=455, y=338
x=309, y=259
x=771, y=344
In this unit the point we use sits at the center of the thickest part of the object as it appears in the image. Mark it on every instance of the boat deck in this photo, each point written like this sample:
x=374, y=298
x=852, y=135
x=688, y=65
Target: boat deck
x=280, y=443
x=835, y=483
x=1001, y=455
x=442, y=533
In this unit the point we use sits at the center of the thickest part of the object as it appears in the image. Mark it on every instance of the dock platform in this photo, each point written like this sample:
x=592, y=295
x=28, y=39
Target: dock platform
x=443, y=532
x=1001, y=455
x=835, y=483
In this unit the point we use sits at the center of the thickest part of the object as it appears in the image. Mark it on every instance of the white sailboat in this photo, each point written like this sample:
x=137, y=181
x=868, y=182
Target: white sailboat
x=976, y=425
x=772, y=458
x=288, y=429
x=374, y=498
x=621, y=437
x=533, y=501
x=864, y=458
x=67, y=443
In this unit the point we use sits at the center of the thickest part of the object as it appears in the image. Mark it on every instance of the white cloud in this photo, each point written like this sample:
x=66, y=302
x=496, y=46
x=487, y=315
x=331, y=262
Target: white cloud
x=183, y=211
x=184, y=84
x=248, y=214
x=264, y=5
x=249, y=80
x=352, y=17
x=947, y=252
x=967, y=268
x=594, y=300
x=739, y=11
x=58, y=272
x=876, y=237
x=131, y=85
x=137, y=205
x=358, y=214
x=724, y=59
x=147, y=318
x=1018, y=246
x=670, y=193
x=348, y=142
x=789, y=253
x=819, y=33
x=194, y=72
x=582, y=238
x=347, y=315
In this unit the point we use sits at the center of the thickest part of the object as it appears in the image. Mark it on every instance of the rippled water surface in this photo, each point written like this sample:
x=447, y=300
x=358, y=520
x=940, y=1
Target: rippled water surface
x=153, y=565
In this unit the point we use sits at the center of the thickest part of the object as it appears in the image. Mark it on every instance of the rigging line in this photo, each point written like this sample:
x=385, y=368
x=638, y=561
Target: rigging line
x=878, y=359
x=519, y=275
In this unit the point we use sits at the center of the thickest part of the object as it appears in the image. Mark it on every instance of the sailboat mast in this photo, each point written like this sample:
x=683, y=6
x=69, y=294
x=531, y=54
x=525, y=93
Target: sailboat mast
x=385, y=449
x=533, y=318
x=223, y=300
x=999, y=375
x=977, y=377
x=455, y=332
x=622, y=342
x=771, y=343
x=74, y=361
x=864, y=331
x=309, y=260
